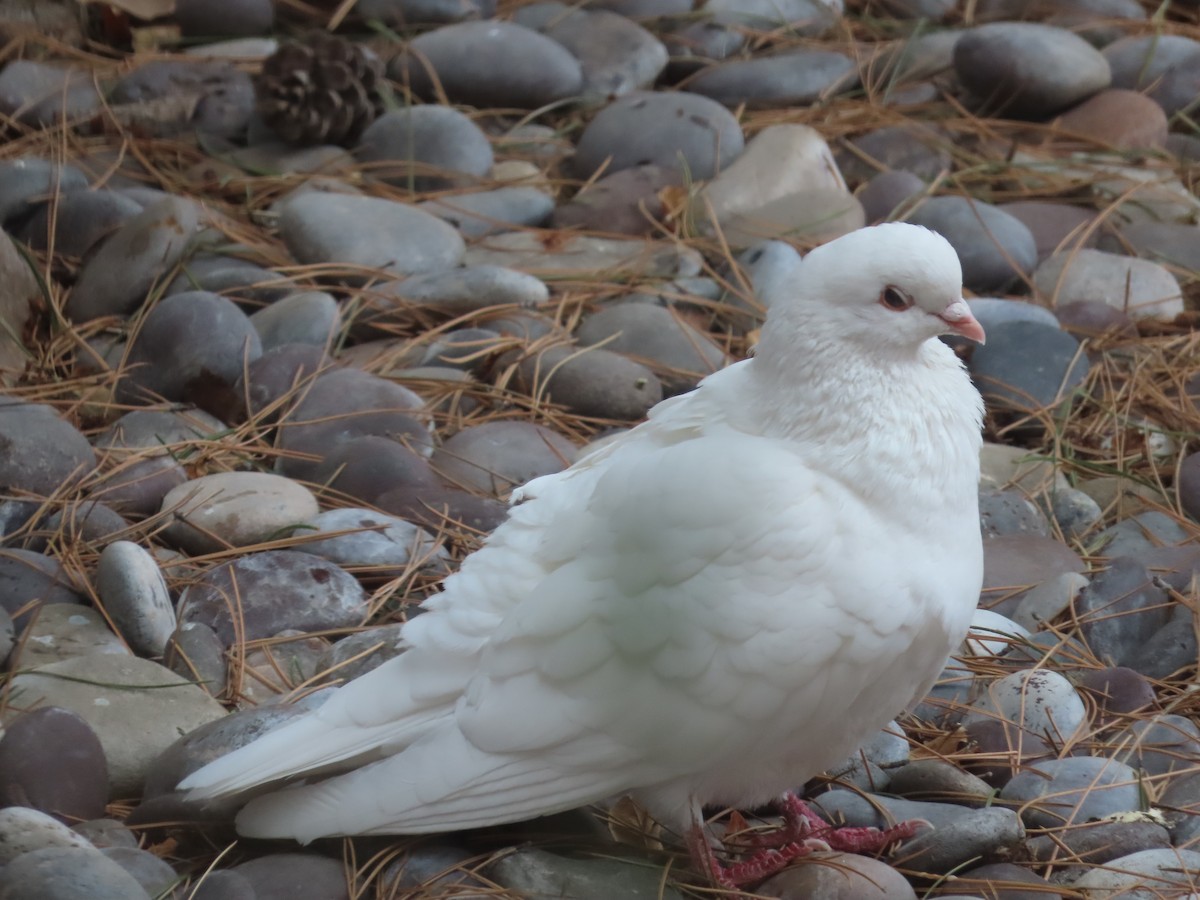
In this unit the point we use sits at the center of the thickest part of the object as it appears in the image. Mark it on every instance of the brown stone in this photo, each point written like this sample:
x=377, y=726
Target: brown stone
x=1117, y=118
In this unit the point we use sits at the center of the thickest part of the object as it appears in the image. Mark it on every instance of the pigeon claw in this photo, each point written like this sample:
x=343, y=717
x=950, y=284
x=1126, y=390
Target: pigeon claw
x=803, y=833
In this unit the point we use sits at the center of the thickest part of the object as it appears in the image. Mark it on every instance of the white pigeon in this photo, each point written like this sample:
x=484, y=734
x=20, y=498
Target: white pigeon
x=708, y=610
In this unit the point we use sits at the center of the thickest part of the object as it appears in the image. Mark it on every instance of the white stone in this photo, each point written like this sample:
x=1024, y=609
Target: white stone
x=1139, y=287
x=23, y=830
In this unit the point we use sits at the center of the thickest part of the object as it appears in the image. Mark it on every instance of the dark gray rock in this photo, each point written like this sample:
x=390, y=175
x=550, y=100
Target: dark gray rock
x=52, y=761
x=224, y=884
x=68, y=873
x=425, y=148
x=1010, y=512
x=343, y=404
x=368, y=232
x=455, y=292
x=994, y=247
x=276, y=589
x=369, y=466
x=25, y=183
x=807, y=17
x=365, y=539
x=1026, y=366
x=309, y=317
x=533, y=872
x=678, y=131
x=1119, y=610
x=888, y=192
x=246, y=283
x=223, y=18
x=838, y=876
x=155, y=875
x=938, y=780
x=489, y=64
x=596, y=382
x=280, y=373
x=40, y=452
x=196, y=653
x=295, y=876
x=161, y=802
x=479, y=213
x=678, y=353
x=438, y=509
x=625, y=202
x=1097, y=843
x=359, y=653
x=28, y=580
x=1158, y=746
x=118, y=276
x=913, y=147
x=432, y=867
x=496, y=457
x=978, y=833
x=167, y=361
x=81, y=220
x=222, y=96
x=43, y=94
x=1029, y=69
x=1171, y=649
x=795, y=78
x=616, y=55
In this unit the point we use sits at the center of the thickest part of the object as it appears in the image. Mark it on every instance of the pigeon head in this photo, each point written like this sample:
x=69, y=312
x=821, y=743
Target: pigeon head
x=895, y=285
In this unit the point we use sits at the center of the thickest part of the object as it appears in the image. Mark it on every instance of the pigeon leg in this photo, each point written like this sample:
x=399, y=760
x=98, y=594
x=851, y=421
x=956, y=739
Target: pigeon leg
x=801, y=824
x=760, y=865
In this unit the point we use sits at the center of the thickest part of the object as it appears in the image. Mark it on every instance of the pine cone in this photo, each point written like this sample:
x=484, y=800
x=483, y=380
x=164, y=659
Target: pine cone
x=323, y=91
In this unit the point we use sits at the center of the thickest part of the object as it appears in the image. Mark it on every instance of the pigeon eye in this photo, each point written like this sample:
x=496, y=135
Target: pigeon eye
x=895, y=299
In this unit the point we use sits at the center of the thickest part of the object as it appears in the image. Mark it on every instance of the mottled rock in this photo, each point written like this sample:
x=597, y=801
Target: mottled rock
x=236, y=509
x=273, y=590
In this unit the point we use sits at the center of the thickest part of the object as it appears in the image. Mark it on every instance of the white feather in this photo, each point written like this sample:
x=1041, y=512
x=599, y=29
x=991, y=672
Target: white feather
x=711, y=608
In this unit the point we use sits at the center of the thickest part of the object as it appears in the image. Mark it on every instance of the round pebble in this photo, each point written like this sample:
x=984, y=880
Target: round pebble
x=591, y=382
x=796, y=78
x=495, y=457
x=361, y=538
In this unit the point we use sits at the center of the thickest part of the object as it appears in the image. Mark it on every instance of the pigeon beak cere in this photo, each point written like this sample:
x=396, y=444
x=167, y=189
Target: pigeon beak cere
x=958, y=319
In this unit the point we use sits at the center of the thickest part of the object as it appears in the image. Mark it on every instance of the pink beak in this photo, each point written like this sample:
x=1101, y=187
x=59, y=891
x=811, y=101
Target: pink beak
x=959, y=320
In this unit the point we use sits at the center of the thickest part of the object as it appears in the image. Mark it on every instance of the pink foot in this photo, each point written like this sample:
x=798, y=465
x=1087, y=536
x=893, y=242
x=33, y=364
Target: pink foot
x=803, y=832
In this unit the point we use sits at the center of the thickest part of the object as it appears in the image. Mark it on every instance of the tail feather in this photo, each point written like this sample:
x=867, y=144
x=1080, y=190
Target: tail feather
x=442, y=783
x=371, y=717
